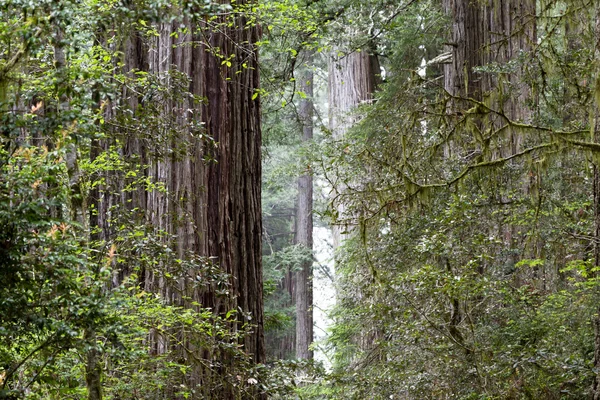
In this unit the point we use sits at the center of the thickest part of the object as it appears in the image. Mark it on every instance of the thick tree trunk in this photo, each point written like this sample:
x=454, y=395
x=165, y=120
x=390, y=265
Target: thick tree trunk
x=304, y=228
x=482, y=34
x=207, y=208
x=352, y=81
x=227, y=224
x=213, y=208
x=466, y=46
x=496, y=31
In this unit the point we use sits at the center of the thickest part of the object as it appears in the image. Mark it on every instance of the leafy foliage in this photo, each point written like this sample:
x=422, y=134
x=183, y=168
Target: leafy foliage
x=469, y=273
x=74, y=300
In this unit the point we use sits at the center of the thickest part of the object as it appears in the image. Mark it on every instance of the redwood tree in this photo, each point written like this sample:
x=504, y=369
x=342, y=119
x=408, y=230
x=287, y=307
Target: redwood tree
x=196, y=132
x=211, y=205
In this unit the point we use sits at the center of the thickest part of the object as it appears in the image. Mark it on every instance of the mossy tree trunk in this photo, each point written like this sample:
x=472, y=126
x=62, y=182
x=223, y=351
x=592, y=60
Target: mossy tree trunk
x=483, y=34
x=596, y=197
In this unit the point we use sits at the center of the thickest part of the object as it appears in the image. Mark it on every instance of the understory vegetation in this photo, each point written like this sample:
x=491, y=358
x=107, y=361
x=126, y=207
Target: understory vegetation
x=164, y=165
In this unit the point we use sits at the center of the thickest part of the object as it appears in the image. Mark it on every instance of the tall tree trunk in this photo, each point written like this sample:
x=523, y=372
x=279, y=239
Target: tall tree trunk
x=466, y=46
x=233, y=233
x=352, y=82
x=213, y=208
x=304, y=227
x=93, y=367
x=207, y=208
x=496, y=31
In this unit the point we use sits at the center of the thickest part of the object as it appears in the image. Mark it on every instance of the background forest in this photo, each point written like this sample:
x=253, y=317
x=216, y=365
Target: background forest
x=168, y=168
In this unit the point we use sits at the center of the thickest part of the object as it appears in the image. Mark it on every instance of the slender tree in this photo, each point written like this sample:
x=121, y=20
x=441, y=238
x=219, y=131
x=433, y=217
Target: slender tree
x=304, y=225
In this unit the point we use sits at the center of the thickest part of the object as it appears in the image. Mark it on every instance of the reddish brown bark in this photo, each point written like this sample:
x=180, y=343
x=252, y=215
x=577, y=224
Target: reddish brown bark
x=207, y=208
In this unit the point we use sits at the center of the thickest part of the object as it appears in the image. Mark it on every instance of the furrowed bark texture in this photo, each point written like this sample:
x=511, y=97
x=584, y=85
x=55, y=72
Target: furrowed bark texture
x=496, y=31
x=206, y=155
x=492, y=32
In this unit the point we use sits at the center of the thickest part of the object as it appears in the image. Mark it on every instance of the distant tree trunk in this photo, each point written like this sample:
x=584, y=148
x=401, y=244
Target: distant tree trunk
x=304, y=227
x=97, y=220
x=93, y=367
x=281, y=345
x=352, y=81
